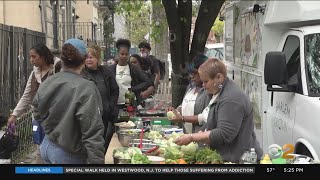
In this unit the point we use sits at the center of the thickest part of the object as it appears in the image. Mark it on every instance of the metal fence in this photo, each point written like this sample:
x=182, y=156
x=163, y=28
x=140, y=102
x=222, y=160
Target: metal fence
x=164, y=91
x=24, y=131
x=15, y=69
x=86, y=31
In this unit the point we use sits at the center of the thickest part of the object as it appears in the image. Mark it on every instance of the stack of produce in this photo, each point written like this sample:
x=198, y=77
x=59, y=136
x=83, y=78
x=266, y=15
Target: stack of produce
x=133, y=153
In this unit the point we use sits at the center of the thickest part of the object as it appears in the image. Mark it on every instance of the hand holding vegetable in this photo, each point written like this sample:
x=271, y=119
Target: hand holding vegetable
x=184, y=139
x=176, y=116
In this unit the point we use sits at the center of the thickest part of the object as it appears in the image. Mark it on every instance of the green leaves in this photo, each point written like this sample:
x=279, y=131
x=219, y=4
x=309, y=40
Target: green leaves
x=136, y=19
x=218, y=27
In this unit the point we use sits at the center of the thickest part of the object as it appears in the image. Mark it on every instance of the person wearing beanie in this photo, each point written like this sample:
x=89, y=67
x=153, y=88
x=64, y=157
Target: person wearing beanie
x=69, y=109
x=108, y=88
x=195, y=98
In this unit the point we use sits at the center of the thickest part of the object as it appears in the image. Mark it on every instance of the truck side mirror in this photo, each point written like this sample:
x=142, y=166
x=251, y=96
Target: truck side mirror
x=275, y=72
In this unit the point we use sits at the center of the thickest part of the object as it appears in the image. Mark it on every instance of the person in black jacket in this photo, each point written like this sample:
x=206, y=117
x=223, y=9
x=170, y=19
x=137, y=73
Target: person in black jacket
x=108, y=88
x=144, y=64
x=127, y=75
x=145, y=49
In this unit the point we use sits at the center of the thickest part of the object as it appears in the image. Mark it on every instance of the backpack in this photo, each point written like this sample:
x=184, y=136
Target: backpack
x=162, y=67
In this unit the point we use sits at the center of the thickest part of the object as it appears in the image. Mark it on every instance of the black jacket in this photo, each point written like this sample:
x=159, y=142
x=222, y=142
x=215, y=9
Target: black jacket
x=111, y=92
x=140, y=82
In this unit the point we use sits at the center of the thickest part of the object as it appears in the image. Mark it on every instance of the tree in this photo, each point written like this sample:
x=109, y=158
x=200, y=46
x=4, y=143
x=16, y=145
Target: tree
x=137, y=19
x=179, y=18
x=108, y=30
x=218, y=29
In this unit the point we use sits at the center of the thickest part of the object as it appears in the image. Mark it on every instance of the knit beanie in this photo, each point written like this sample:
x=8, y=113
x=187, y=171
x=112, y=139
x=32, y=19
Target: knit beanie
x=79, y=45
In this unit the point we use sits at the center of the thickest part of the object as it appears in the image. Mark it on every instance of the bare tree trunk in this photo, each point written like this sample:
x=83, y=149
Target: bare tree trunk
x=179, y=17
x=179, y=36
x=174, y=34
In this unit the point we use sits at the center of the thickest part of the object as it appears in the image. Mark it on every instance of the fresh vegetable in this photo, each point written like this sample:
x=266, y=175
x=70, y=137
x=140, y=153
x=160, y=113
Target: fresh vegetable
x=172, y=153
x=140, y=159
x=203, y=156
x=122, y=155
x=170, y=115
x=127, y=153
x=170, y=161
x=134, y=150
x=174, y=136
x=181, y=161
x=153, y=135
x=191, y=147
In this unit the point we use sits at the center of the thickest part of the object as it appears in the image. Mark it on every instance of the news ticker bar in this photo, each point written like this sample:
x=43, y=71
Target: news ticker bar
x=133, y=170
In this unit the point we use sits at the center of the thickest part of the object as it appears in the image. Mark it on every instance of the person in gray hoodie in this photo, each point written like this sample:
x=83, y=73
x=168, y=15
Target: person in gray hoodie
x=229, y=127
x=69, y=109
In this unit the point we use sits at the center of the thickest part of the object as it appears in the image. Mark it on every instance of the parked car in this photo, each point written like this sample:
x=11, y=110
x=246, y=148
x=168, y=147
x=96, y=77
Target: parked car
x=215, y=50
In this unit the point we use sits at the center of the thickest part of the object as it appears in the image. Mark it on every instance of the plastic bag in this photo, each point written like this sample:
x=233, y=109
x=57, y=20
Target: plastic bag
x=9, y=142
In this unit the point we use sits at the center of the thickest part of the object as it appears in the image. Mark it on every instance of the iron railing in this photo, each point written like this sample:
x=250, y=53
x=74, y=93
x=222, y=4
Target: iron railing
x=15, y=69
x=82, y=30
x=24, y=132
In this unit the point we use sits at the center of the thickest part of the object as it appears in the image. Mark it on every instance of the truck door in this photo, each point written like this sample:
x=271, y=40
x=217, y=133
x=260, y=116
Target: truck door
x=281, y=114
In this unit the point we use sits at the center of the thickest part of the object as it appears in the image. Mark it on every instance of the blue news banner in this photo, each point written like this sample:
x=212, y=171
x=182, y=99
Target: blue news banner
x=175, y=169
x=133, y=170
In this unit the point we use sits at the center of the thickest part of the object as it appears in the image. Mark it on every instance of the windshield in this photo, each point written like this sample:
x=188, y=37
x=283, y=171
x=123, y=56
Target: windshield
x=215, y=52
x=312, y=56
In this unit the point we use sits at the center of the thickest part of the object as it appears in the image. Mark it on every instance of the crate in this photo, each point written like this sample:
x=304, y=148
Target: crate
x=164, y=121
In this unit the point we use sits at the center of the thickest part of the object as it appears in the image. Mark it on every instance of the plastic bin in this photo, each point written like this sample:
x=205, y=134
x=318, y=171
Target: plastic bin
x=162, y=122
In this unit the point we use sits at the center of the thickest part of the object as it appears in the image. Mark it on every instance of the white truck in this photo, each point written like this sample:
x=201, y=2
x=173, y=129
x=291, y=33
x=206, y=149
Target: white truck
x=272, y=50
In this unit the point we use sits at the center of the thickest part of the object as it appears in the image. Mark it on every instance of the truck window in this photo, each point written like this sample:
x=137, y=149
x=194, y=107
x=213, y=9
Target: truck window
x=312, y=57
x=292, y=51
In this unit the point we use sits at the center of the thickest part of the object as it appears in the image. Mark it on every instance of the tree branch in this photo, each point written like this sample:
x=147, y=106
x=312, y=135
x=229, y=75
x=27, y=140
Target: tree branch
x=206, y=17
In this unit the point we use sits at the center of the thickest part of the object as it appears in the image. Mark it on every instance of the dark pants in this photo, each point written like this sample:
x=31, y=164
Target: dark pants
x=109, y=128
x=108, y=133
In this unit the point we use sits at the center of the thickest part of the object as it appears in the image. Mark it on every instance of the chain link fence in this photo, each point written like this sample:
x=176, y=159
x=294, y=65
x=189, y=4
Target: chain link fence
x=24, y=131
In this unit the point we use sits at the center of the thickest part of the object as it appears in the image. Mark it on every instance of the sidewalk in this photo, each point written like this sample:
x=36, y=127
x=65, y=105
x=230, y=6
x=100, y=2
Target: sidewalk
x=31, y=157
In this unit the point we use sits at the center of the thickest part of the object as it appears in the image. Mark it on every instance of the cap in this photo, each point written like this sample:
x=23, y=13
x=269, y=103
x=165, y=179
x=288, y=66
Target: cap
x=78, y=44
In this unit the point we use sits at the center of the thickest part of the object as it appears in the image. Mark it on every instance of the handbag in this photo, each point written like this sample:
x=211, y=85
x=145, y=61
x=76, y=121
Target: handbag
x=8, y=142
x=37, y=132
